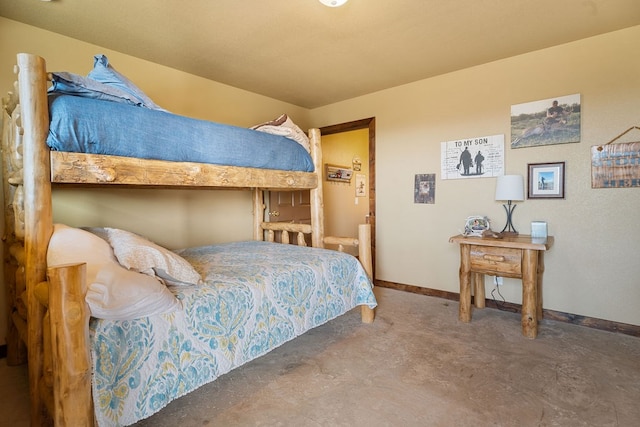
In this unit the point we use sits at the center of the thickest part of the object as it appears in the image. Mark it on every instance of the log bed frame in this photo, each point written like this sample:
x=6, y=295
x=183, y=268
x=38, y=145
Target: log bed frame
x=48, y=317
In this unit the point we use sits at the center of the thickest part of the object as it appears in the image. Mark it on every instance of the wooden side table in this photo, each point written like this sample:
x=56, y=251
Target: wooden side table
x=518, y=256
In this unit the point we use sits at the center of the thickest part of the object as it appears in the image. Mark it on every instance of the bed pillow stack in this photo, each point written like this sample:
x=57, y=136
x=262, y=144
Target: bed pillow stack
x=103, y=82
x=113, y=292
x=140, y=254
x=284, y=126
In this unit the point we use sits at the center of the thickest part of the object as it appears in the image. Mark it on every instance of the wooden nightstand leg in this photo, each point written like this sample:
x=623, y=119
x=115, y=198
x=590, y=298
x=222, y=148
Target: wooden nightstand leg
x=529, y=293
x=478, y=289
x=540, y=274
x=464, y=311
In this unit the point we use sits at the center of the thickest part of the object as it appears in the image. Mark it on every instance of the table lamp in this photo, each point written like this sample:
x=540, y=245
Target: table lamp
x=510, y=188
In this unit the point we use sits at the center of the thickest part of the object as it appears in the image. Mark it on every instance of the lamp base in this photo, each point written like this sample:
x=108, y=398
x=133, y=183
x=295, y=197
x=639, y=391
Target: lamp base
x=509, y=229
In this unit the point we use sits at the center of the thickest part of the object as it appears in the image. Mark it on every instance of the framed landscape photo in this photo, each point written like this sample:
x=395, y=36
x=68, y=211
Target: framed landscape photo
x=546, y=122
x=545, y=181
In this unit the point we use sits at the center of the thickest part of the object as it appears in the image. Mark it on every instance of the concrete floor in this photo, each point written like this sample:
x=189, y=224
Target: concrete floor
x=416, y=365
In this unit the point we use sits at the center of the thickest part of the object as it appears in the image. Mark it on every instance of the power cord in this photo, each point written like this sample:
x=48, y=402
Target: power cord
x=501, y=304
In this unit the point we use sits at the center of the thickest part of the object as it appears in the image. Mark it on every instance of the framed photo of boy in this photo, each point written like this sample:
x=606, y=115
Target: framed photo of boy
x=545, y=181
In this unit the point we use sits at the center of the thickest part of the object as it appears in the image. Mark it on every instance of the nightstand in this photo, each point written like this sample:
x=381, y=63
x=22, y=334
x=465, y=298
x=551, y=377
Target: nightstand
x=519, y=256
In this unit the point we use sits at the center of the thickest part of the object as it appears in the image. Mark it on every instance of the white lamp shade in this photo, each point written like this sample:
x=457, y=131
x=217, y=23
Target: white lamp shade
x=510, y=187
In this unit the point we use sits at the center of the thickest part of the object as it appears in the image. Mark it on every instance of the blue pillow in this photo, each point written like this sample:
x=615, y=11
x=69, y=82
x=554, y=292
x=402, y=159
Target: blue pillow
x=104, y=73
x=73, y=84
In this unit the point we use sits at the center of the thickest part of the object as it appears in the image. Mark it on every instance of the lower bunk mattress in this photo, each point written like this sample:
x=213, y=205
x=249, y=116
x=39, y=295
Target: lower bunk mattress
x=256, y=297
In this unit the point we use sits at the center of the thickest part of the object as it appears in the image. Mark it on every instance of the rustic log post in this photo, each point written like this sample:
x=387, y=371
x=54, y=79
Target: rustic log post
x=300, y=239
x=478, y=289
x=529, y=293
x=364, y=254
x=69, y=318
x=258, y=214
x=16, y=350
x=32, y=80
x=540, y=274
x=464, y=311
x=271, y=236
x=317, y=203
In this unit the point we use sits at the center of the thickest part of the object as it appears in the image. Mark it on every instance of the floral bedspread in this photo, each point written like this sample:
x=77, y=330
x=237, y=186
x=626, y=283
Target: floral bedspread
x=256, y=296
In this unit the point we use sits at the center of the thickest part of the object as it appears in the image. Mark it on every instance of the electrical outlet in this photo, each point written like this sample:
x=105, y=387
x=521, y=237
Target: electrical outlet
x=497, y=280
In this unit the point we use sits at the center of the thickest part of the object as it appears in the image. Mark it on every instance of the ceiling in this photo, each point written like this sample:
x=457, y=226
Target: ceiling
x=311, y=55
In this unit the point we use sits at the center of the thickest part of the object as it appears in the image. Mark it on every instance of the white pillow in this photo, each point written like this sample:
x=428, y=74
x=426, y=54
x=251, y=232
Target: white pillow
x=137, y=253
x=113, y=292
x=284, y=126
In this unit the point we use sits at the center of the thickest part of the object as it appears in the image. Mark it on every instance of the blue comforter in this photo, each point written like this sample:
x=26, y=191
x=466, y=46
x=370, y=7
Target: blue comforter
x=256, y=296
x=84, y=125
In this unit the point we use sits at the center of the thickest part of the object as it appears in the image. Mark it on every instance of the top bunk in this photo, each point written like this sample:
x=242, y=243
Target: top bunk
x=132, y=133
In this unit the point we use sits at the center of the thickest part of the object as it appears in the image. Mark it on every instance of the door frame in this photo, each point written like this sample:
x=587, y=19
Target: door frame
x=370, y=124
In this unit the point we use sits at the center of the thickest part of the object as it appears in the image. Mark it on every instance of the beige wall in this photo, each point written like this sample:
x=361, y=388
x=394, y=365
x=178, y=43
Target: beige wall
x=177, y=223
x=174, y=218
x=592, y=270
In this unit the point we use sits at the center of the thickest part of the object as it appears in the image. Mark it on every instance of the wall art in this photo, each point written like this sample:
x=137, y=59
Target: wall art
x=546, y=122
x=361, y=185
x=545, y=181
x=337, y=173
x=480, y=157
x=425, y=188
x=616, y=165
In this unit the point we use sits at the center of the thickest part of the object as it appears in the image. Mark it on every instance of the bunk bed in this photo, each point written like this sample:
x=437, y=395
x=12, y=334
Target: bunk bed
x=52, y=326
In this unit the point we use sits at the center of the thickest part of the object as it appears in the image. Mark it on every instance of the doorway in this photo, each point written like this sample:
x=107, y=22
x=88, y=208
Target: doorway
x=295, y=203
x=370, y=178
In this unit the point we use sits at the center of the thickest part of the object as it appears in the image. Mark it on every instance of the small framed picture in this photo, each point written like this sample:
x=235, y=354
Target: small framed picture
x=476, y=226
x=337, y=173
x=546, y=181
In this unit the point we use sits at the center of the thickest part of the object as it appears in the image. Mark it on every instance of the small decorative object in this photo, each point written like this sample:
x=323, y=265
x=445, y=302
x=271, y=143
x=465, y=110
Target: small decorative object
x=546, y=181
x=338, y=173
x=476, y=226
x=546, y=122
x=538, y=229
x=361, y=185
x=424, y=190
x=510, y=188
x=357, y=164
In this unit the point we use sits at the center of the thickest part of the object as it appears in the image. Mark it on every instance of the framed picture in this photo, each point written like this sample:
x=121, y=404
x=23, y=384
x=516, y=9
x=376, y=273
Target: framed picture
x=424, y=190
x=337, y=173
x=546, y=181
x=361, y=189
x=476, y=226
x=546, y=122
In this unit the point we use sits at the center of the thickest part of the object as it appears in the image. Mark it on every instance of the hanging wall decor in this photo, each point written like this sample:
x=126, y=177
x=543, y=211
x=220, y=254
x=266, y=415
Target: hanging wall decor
x=545, y=181
x=361, y=185
x=424, y=190
x=616, y=165
x=338, y=173
x=479, y=157
x=546, y=122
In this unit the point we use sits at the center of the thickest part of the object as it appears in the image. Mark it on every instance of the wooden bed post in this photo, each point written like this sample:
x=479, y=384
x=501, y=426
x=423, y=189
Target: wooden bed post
x=13, y=238
x=317, y=201
x=69, y=313
x=38, y=219
x=364, y=254
x=258, y=213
